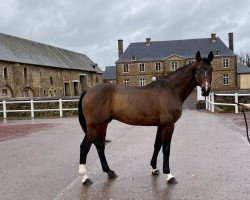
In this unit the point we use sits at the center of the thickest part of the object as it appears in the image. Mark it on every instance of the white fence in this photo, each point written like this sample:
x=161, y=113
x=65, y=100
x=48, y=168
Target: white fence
x=32, y=109
x=210, y=103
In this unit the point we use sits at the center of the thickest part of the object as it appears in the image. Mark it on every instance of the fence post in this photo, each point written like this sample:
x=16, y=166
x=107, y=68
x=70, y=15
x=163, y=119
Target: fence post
x=206, y=102
x=60, y=108
x=212, y=102
x=4, y=110
x=209, y=102
x=32, y=108
x=236, y=100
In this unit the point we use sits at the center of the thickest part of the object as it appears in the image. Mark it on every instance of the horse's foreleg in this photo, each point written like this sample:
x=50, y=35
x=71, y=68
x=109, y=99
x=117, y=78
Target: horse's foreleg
x=166, y=142
x=157, y=147
x=84, y=149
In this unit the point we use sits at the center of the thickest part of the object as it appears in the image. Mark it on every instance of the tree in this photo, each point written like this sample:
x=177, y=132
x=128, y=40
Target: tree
x=244, y=58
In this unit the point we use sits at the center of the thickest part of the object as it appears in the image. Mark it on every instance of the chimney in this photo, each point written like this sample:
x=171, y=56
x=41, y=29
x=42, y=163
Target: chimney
x=231, y=41
x=120, y=47
x=213, y=37
x=148, y=41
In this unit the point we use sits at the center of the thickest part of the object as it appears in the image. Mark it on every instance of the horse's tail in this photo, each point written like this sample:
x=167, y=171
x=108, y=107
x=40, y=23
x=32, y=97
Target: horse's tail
x=81, y=115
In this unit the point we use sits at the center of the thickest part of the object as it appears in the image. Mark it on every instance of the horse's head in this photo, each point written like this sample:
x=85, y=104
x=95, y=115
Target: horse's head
x=203, y=73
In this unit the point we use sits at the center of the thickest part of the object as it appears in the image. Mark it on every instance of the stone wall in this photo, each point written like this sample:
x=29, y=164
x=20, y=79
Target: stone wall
x=25, y=80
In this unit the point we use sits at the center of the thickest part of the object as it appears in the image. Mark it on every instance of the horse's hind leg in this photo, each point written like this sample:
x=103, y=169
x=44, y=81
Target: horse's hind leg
x=100, y=146
x=157, y=147
x=84, y=149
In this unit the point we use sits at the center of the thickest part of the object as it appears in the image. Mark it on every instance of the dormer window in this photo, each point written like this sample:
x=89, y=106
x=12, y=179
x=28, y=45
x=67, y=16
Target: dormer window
x=191, y=61
x=94, y=65
x=133, y=58
x=216, y=52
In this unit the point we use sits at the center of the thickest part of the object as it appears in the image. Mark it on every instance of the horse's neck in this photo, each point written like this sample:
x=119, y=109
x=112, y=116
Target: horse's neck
x=183, y=82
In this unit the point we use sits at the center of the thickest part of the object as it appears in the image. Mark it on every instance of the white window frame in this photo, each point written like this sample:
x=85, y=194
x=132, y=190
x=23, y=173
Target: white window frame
x=142, y=82
x=141, y=66
x=225, y=62
x=158, y=66
x=174, y=66
x=225, y=79
x=126, y=82
x=125, y=68
x=133, y=58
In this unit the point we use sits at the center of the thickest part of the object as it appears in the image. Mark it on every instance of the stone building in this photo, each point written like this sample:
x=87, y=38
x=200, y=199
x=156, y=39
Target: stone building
x=32, y=69
x=243, y=72
x=142, y=62
x=109, y=75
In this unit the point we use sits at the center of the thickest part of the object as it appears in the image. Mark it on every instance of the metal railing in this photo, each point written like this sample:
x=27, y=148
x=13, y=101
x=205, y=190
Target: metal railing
x=210, y=101
x=32, y=109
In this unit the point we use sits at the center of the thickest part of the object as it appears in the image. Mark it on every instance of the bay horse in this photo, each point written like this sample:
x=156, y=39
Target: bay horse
x=156, y=104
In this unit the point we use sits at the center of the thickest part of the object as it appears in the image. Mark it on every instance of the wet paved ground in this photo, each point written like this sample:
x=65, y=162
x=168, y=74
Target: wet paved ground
x=210, y=157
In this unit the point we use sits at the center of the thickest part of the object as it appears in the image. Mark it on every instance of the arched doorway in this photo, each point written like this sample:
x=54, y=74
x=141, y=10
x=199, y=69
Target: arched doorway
x=6, y=92
x=28, y=92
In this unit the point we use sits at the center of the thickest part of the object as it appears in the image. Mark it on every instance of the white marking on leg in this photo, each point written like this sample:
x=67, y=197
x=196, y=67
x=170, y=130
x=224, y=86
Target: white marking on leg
x=82, y=169
x=154, y=170
x=169, y=176
x=206, y=86
x=82, y=172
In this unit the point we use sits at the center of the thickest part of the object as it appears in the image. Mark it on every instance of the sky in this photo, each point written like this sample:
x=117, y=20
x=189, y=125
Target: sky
x=93, y=27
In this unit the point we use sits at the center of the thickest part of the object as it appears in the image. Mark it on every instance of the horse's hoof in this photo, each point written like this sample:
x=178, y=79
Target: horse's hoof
x=172, y=180
x=155, y=172
x=112, y=174
x=88, y=182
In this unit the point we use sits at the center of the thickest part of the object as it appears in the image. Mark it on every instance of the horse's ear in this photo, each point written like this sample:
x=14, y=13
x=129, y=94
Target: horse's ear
x=198, y=56
x=210, y=56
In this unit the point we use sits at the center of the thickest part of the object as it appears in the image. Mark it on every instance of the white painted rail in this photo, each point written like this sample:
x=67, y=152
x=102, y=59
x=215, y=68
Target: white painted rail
x=32, y=109
x=210, y=102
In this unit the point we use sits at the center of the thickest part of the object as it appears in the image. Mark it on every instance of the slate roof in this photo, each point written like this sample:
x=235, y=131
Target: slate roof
x=109, y=73
x=19, y=50
x=160, y=50
x=242, y=69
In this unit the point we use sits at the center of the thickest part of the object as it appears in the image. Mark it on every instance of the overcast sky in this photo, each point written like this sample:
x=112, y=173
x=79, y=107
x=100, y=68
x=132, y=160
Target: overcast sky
x=93, y=27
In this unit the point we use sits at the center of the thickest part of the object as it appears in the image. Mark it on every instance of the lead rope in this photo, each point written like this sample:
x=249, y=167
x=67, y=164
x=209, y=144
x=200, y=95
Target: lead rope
x=246, y=124
x=243, y=111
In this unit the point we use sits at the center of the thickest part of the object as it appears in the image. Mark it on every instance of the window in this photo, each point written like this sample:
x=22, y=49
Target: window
x=225, y=79
x=25, y=72
x=141, y=67
x=5, y=72
x=125, y=68
x=142, y=82
x=51, y=80
x=126, y=82
x=225, y=62
x=4, y=92
x=173, y=66
x=157, y=67
x=133, y=58
x=190, y=61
